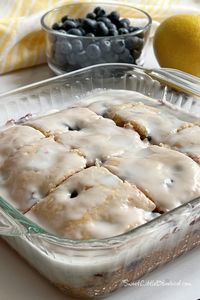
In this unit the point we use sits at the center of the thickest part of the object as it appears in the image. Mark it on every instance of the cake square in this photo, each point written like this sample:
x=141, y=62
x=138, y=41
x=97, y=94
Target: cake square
x=16, y=137
x=169, y=178
x=150, y=122
x=186, y=141
x=64, y=120
x=92, y=203
x=102, y=101
x=101, y=140
x=31, y=173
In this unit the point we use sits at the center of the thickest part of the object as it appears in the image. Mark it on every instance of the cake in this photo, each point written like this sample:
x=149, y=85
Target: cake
x=93, y=204
x=149, y=122
x=167, y=177
x=101, y=140
x=63, y=121
x=16, y=137
x=33, y=170
x=186, y=141
x=105, y=100
x=99, y=171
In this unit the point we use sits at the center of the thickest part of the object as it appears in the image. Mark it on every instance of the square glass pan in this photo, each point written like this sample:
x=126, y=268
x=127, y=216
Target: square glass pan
x=98, y=267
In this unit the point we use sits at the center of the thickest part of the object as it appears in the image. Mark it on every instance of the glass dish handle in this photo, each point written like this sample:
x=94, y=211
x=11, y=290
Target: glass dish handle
x=177, y=79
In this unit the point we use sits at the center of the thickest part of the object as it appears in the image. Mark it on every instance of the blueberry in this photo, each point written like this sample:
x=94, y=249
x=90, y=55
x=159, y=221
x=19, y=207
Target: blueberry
x=101, y=29
x=111, y=26
x=140, y=44
x=113, y=32
x=78, y=23
x=55, y=26
x=130, y=60
x=149, y=138
x=118, y=46
x=82, y=58
x=122, y=24
x=72, y=59
x=114, y=58
x=60, y=59
x=90, y=34
x=114, y=16
x=74, y=31
x=82, y=31
x=105, y=46
x=111, y=57
x=105, y=20
x=125, y=57
x=64, y=47
x=68, y=24
x=91, y=15
x=136, y=53
x=123, y=31
x=97, y=9
x=77, y=45
x=64, y=18
x=62, y=31
x=129, y=43
x=100, y=12
x=101, y=61
x=74, y=194
x=140, y=35
x=89, y=25
x=132, y=28
x=134, y=43
x=93, y=51
x=125, y=23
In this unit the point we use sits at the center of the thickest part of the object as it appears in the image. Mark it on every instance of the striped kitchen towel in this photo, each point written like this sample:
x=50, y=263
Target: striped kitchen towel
x=22, y=42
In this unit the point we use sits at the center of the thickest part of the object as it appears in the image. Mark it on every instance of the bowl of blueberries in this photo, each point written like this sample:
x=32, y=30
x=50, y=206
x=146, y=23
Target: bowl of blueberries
x=82, y=34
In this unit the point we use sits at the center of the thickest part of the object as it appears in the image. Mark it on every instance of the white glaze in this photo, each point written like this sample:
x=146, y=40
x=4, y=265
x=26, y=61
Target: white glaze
x=34, y=170
x=101, y=140
x=187, y=141
x=124, y=218
x=104, y=206
x=101, y=101
x=16, y=137
x=168, y=177
x=63, y=121
x=151, y=121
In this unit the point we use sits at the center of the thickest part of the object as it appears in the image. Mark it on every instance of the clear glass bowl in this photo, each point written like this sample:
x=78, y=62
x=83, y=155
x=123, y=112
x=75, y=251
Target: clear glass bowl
x=67, y=52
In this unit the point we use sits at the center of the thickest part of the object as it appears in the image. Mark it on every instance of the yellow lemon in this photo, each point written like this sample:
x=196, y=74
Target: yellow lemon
x=177, y=43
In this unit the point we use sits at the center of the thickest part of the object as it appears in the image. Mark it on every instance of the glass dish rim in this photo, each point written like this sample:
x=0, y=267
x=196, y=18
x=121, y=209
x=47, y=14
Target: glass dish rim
x=32, y=228
x=50, y=30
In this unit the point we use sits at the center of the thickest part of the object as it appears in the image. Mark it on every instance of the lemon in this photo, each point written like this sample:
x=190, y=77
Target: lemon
x=177, y=43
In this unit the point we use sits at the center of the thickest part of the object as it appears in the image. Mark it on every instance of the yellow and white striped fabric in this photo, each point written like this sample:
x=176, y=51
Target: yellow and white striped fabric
x=22, y=43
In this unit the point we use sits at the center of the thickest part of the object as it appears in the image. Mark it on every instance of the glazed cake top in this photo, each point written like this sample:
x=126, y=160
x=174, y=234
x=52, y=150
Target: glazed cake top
x=93, y=203
x=95, y=171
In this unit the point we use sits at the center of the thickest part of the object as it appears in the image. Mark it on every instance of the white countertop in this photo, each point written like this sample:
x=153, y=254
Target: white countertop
x=18, y=281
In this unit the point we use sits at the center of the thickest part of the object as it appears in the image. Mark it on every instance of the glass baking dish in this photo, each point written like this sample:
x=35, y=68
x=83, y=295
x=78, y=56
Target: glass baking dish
x=98, y=267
